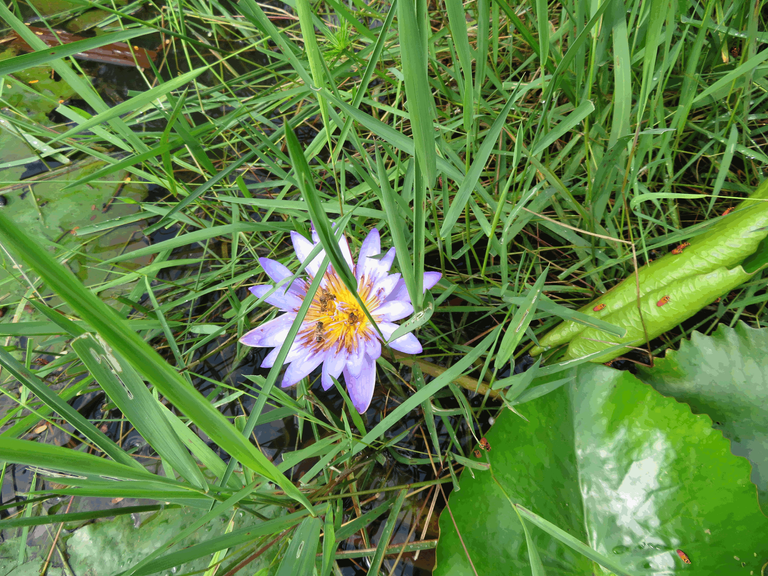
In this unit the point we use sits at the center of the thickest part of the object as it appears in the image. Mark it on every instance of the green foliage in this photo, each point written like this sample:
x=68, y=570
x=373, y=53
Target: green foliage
x=724, y=376
x=692, y=276
x=617, y=466
x=533, y=154
x=109, y=547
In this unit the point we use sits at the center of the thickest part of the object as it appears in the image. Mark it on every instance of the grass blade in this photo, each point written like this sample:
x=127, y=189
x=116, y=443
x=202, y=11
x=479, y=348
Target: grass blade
x=117, y=334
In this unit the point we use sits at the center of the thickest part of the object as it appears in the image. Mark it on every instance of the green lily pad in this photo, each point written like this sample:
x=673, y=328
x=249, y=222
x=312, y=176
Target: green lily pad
x=724, y=376
x=111, y=546
x=618, y=466
x=54, y=215
x=34, y=93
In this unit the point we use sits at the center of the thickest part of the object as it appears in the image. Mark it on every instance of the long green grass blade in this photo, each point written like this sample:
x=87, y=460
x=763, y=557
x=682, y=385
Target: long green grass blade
x=141, y=356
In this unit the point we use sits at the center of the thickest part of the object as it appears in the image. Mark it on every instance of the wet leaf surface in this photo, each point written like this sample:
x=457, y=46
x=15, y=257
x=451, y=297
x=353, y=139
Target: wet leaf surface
x=724, y=376
x=620, y=467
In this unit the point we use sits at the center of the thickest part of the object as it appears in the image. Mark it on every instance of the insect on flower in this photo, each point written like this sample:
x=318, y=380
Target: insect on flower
x=598, y=308
x=664, y=300
x=485, y=444
x=319, y=332
x=679, y=249
x=325, y=300
x=683, y=556
x=336, y=333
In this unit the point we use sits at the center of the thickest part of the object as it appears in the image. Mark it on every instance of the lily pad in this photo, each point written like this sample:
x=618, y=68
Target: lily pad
x=34, y=92
x=112, y=546
x=634, y=475
x=724, y=376
x=54, y=216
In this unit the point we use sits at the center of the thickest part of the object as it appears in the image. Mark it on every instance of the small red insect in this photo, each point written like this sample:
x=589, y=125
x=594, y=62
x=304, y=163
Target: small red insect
x=683, y=556
x=679, y=249
x=598, y=308
x=728, y=211
x=478, y=454
x=664, y=300
x=485, y=444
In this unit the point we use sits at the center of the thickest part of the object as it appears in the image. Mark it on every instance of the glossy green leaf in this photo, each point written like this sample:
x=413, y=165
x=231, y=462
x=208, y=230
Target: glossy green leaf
x=212, y=545
x=685, y=297
x=728, y=242
x=613, y=464
x=108, y=547
x=724, y=376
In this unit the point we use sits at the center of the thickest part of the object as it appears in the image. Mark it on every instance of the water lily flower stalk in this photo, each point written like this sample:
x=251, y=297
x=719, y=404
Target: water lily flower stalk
x=336, y=332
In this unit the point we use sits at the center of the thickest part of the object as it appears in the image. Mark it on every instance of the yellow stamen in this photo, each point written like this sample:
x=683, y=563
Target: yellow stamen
x=335, y=320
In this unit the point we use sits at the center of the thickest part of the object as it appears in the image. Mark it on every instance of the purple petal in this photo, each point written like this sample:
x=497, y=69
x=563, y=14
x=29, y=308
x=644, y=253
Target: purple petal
x=408, y=344
x=373, y=349
x=430, y=279
x=303, y=247
x=332, y=367
x=269, y=360
x=280, y=298
x=394, y=310
x=361, y=388
x=271, y=333
x=387, y=328
x=385, y=285
x=371, y=247
x=274, y=269
x=374, y=269
x=301, y=368
x=401, y=292
x=344, y=247
x=386, y=261
x=356, y=359
x=294, y=352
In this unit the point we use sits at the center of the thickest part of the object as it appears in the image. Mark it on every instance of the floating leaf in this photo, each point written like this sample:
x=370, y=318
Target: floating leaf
x=613, y=464
x=724, y=376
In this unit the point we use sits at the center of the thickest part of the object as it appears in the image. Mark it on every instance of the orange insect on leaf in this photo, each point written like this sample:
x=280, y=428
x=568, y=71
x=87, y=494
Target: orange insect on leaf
x=664, y=300
x=598, y=308
x=683, y=556
x=485, y=444
x=679, y=249
x=728, y=211
x=478, y=454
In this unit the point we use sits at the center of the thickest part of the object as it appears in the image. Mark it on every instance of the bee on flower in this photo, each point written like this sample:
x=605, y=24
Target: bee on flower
x=336, y=332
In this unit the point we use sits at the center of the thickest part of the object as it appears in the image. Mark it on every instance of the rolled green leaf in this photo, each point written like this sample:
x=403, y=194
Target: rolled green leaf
x=726, y=244
x=662, y=309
